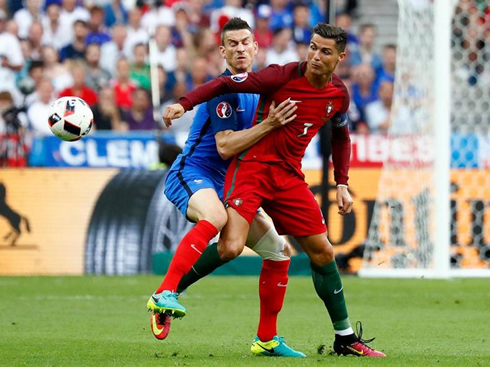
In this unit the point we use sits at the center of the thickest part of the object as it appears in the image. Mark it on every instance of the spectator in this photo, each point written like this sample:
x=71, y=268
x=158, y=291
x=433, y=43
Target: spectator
x=378, y=113
x=204, y=42
x=140, y=69
x=197, y=18
x=58, y=74
x=26, y=16
x=39, y=109
x=166, y=52
x=140, y=117
x=135, y=33
x=35, y=40
x=115, y=13
x=387, y=72
x=114, y=50
x=301, y=26
x=281, y=16
x=364, y=90
x=107, y=116
x=57, y=32
x=365, y=54
x=123, y=86
x=76, y=50
x=198, y=73
x=165, y=91
x=281, y=52
x=181, y=126
x=12, y=28
x=231, y=9
x=181, y=36
x=357, y=120
x=79, y=88
x=70, y=12
x=160, y=15
x=11, y=59
x=344, y=21
x=28, y=85
x=260, y=61
x=97, y=32
x=262, y=33
x=302, y=51
x=96, y=76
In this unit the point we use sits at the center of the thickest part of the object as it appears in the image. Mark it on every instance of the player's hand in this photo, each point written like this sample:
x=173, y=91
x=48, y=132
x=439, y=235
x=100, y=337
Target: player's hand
x=344, y=200
x=283, y=114
x=172, y=112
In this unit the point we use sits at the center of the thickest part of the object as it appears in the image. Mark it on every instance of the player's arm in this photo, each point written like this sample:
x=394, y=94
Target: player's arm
x=341, y=149
x=230, y=143
x=264, y=82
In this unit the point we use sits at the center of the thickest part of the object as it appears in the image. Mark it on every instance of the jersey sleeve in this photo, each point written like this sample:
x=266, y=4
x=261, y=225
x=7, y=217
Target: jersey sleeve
x=264, y=82
x=341, y=144
x=222, y=112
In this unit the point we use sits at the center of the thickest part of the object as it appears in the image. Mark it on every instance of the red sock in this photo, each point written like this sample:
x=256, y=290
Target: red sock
x=272, y=290
x=189, y=250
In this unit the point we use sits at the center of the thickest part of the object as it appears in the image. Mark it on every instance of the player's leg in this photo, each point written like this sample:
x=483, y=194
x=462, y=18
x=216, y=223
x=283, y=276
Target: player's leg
x=328, y=286
x=273, y=280
x=296, y=212
x=204, y=207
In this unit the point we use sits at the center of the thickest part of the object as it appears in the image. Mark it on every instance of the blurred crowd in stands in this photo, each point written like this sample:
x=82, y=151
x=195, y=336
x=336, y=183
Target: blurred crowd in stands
x=99, y=50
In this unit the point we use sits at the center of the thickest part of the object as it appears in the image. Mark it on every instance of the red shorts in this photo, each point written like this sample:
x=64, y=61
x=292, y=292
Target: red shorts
x=284, y=196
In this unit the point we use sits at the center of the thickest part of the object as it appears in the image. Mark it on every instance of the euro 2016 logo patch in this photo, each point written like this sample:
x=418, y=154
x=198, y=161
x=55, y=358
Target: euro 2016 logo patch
x=239, y=78
x=223, y=110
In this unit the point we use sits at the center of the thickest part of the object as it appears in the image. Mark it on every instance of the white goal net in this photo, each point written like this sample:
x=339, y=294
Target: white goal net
x=403, y=238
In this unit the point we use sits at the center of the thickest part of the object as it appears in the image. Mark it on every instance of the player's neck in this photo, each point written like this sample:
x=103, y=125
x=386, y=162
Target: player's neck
x=318, y=81
x=235, y=71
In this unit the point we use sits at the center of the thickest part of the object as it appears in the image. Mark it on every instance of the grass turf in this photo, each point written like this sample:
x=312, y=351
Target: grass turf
x=102, y=321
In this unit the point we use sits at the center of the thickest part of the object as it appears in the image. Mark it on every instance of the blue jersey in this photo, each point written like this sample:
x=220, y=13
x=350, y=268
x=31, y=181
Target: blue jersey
x=228, y=112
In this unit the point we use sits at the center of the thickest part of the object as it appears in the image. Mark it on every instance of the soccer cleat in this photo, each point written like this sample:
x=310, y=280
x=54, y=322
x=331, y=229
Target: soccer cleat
x=358, y=348
x=160, y=324
x=276, y=347
x=166, y=302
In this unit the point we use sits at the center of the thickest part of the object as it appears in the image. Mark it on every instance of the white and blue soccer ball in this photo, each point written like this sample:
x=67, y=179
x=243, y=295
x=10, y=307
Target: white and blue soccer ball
x=70, y=118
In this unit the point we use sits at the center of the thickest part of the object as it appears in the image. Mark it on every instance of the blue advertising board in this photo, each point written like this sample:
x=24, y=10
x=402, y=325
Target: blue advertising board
x=116, y=150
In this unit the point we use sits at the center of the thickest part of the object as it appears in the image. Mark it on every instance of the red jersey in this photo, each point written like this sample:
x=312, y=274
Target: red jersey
x=315, y=107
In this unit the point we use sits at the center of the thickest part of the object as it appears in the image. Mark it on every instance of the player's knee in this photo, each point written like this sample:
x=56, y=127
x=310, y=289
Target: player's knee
x=271, y=246
x=322, y=256
x=229, y=250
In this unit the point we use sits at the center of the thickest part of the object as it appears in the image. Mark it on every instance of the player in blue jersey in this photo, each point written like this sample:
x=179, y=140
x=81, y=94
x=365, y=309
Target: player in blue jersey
x=222, y=129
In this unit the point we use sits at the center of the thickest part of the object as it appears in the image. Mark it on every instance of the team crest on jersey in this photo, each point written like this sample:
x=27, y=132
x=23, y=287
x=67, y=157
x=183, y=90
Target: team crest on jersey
x=329, y=108
x=239, y=78
x=223, y=110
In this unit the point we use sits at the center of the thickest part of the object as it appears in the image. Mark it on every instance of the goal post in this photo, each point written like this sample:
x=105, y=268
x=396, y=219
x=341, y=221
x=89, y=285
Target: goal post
x=430, y=211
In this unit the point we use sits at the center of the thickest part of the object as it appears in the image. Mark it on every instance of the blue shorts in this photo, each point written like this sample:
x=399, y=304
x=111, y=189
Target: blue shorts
x=180, y=185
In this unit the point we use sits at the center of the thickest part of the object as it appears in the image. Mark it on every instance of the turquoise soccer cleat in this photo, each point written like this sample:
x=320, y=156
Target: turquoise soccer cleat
x=276, y=347
x=166, y=302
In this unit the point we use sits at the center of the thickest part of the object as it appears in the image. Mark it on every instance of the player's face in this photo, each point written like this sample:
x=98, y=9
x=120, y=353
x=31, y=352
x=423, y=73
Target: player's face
x=323, y=56
x=238, y=50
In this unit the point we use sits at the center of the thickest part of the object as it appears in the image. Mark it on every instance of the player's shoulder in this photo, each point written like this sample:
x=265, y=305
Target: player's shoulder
x=296, y=68
x=339, y=84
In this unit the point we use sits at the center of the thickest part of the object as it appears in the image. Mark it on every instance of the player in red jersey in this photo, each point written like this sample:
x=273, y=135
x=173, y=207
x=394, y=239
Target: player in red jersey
x=269, y=173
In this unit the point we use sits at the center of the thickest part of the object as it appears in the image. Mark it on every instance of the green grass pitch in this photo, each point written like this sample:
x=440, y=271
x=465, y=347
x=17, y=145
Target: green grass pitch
x=102, y=321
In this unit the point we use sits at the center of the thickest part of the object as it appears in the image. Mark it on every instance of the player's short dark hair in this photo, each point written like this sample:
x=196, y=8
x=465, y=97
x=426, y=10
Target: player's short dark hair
x=234, y=24
x=332, y=32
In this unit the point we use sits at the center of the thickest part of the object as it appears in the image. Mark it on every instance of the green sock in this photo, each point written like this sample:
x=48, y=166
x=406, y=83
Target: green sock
x=206, y=264
x=328, y=286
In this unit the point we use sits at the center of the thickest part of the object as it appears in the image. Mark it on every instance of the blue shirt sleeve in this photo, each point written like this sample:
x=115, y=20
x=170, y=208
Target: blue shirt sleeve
x=222, y=112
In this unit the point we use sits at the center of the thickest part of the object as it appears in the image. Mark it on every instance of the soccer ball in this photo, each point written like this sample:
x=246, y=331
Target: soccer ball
x=70, y=118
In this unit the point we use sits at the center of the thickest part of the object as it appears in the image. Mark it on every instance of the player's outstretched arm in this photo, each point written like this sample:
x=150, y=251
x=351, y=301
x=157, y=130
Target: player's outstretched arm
x=172, y=112
x=344, y=200
x=230, y=143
